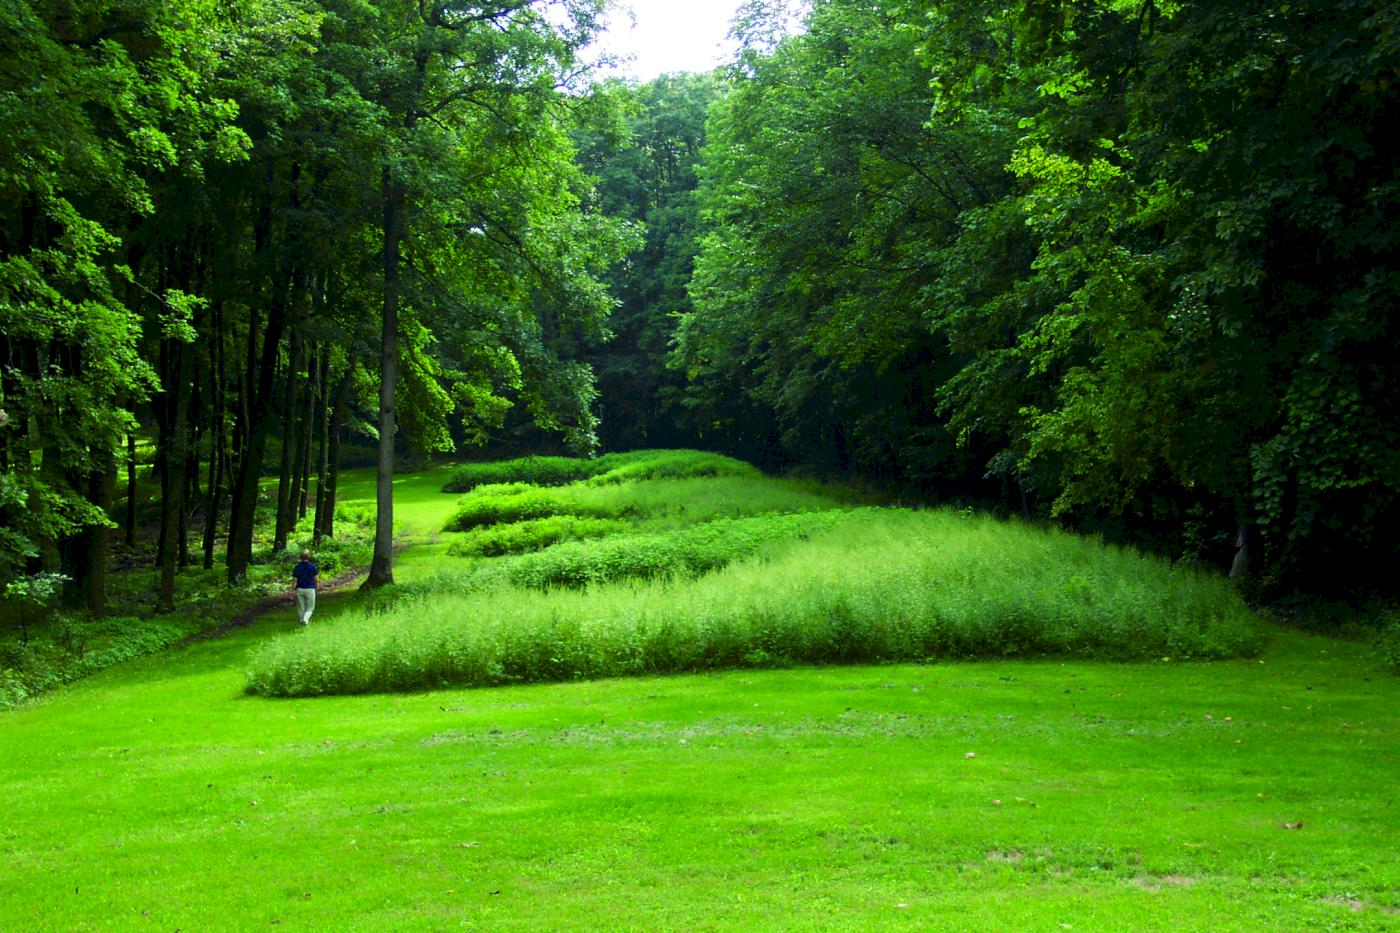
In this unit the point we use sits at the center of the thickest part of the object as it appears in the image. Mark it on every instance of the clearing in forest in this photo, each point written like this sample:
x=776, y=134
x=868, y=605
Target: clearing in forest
x=1049, y=790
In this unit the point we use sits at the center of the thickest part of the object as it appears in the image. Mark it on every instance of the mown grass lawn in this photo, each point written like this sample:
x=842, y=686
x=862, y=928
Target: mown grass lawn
x=1026, y=795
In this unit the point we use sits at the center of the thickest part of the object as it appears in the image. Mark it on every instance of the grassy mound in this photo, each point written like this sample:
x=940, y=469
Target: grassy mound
x=881, y=586
x=532, y=535
x=609, y=468
x=681, y=501
x=687, y=551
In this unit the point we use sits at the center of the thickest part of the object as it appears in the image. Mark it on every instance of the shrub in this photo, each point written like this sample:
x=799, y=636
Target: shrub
x=672, y=464
x=1390, y=641
x=538, y=471
x=72, y=648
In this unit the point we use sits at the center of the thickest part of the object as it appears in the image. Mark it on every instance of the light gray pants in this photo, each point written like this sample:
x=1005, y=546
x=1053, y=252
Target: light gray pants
x=306, y=604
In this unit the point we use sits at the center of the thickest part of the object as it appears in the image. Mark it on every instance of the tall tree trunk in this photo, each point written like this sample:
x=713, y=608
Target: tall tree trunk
x=131, y=488
x=173, y=440
x=7, y=397
x=1239, y=567
x=338, y=415
x=102, y=488
x=250, y=386
x=381, y=571
x=322, y=450
x=308, y=430
x=289, y=436
x=306, y=402
x=43, y=438
x=85, y=554
x=218, y=452
x=198, y=408
x=245, y=489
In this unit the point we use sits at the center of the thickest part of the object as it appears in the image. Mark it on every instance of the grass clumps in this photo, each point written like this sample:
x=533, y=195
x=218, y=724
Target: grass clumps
x=609, y=468
x=883, y=586
x=686, y=551
x=679, y=501
x=532, y=535
x=669, y=464
x=689, y=551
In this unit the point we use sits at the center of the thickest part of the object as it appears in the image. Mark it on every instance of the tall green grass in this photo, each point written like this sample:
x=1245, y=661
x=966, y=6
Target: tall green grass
x=532, y=535
x=684, y=551
x=887, y=586
x=609, y=468
x=680, y=501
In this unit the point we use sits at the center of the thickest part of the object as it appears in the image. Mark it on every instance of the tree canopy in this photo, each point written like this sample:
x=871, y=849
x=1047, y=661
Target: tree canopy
x=232, y=220
x=1130, y=261
x=1123, y=264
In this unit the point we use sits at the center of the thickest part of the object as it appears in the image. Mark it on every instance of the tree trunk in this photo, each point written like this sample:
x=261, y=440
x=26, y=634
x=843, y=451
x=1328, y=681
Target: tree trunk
x=252, y=412
x=102, y=488
x=338, y=415
x=289, y=435
x=1239, y=567
x=131, y=488
x=381, y=572
x=314, y=393
x=322, y=453
x=173, y=441
x=218, y=451
x=245, y=489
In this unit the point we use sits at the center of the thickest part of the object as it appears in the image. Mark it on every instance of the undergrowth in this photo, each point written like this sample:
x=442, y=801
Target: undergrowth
x=1389, y=641
x=70, y=648
x=885, y=586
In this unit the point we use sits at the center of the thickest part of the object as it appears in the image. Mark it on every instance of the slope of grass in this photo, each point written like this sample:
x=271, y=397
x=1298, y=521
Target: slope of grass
x=1144, y=797
x=883, y=585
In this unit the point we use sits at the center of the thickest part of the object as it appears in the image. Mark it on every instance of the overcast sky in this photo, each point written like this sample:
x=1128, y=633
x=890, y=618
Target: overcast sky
x=669, y=35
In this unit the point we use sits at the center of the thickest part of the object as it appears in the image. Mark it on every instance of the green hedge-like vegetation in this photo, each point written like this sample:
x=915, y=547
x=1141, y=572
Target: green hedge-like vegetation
x=689, y=550
x=70, y=649
x=681, y=501
x=609, y=468
x=884, y=586
x=532, y=535
x=1389, y=639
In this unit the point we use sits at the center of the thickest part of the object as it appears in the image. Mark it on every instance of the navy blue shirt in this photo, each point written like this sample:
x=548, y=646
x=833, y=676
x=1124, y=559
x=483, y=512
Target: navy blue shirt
x=305, y=572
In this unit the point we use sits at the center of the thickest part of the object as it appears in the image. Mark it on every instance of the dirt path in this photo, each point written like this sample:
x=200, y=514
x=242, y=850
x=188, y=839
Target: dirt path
x=267, y=604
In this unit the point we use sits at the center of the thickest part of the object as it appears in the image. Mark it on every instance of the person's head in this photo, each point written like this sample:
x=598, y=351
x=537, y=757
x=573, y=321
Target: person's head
x=305, y=554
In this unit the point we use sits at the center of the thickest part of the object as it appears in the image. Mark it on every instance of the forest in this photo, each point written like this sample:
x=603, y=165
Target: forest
x=1124, y=266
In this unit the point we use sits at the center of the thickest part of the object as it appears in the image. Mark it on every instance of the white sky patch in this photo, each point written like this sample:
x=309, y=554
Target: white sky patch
x=668, y=36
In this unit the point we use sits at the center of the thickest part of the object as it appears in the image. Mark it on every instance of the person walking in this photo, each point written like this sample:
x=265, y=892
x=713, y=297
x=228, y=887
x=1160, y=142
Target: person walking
x=305, y=574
